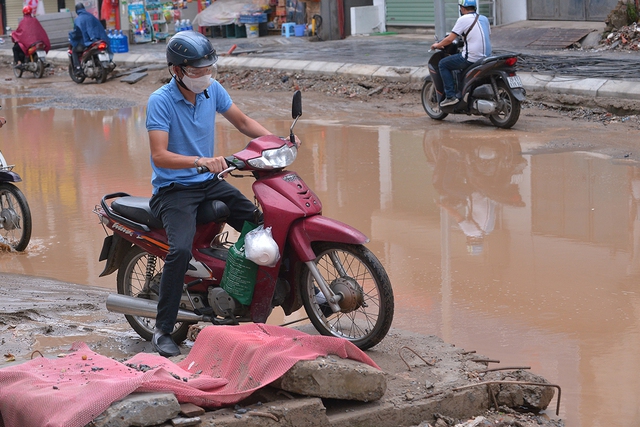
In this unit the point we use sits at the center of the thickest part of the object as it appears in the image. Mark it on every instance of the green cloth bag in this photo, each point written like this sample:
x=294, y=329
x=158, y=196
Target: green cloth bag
x=239, y=277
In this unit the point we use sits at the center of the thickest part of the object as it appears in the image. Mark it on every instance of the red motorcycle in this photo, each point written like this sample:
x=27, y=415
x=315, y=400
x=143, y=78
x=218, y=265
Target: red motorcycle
x=322, y=264
x=95, y=63
x=35, y=61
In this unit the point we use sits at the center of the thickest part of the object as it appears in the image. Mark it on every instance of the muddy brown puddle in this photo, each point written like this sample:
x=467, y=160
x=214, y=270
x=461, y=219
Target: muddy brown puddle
x=529, y=258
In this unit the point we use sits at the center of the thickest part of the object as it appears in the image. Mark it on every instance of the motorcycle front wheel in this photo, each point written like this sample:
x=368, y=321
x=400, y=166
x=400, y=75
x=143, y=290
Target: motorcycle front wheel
x=39, y=72
x=15, y=217
x=17, y=71
x=509, y=112
x=367, y=305
x=430, y=101
x=139, y=277
x=78, y=79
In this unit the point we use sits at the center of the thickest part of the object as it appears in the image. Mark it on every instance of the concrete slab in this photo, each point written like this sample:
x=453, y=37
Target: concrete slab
x=290, y=65
x=396, y=74
x=419, y=75
x=535, y=81
x=620, y=89
x=358, y=70
x=575, y=86
x=320, y=67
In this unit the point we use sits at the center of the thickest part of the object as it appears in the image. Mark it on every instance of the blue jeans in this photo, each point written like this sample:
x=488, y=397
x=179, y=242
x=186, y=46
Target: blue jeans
x=177, y=206
x=446, y=67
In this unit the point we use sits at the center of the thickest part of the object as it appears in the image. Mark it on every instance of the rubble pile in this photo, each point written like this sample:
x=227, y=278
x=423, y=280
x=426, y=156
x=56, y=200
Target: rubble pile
x=624, y=38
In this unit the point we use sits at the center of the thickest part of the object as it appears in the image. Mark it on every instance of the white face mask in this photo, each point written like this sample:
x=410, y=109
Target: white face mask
x=197, y=84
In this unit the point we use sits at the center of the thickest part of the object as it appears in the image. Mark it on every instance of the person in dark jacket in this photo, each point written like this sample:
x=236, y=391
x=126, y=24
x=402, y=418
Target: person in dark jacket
x=86, y=30
x=29, y=31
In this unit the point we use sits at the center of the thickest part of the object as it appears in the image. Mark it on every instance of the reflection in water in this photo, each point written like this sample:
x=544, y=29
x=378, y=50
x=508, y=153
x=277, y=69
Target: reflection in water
x=550, y=281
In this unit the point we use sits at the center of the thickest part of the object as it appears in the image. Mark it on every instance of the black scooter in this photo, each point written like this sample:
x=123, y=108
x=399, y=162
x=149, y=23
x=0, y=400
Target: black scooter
x=489, y=87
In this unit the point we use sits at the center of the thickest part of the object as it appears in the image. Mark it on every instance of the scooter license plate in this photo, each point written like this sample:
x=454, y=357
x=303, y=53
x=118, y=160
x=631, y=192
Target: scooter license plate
x=41, y=54
x=514, y=81
x=103, y=56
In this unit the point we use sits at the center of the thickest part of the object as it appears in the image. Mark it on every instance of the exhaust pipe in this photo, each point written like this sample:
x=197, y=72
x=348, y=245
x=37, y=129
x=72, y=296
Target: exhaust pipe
x=141, y=307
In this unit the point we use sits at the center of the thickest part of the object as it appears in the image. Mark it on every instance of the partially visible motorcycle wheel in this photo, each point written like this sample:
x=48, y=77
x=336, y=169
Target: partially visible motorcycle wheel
x=430, y=101
x=17, y=71
x=39, y=72
x=510, y=111
x=367, y=307
x=103, y=73
x=72, y=74
x=15, y=217
x=139, y=276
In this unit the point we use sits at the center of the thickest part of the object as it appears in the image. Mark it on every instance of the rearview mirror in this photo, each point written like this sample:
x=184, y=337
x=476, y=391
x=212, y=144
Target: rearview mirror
x=296, y=105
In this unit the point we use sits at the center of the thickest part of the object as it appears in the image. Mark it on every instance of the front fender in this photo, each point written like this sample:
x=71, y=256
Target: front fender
x=320, y=228
x=9, y=176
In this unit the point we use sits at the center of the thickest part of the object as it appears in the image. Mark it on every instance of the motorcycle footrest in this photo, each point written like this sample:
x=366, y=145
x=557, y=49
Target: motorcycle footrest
x=226, y=321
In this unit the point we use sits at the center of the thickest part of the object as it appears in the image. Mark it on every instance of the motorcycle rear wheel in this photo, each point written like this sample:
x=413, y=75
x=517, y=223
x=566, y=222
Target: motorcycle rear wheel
x=510, y=113
x=132, y=280
x=39, y=72
x=78, y=79
x=15, y=228
x=430, y=101
x=367, y=309
x=103, y=73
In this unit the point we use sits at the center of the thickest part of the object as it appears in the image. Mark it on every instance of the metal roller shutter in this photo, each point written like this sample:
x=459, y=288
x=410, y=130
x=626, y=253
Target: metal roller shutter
x=14, y=13
x=419, y=13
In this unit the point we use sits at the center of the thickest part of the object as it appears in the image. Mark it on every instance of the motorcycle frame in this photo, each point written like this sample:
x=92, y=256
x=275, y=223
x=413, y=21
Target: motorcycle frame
x=289, y=207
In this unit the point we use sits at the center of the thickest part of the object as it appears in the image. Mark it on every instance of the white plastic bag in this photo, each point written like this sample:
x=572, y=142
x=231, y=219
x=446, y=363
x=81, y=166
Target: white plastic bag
x=260, y=247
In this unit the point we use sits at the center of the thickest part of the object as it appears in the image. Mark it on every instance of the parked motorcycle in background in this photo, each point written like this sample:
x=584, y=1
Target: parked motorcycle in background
x=34, y=61
x=489, y=87
x=308, y=260
x=15, y=216
x=95, y=63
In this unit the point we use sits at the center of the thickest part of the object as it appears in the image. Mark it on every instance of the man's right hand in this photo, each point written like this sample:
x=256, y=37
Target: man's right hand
x=214, y=164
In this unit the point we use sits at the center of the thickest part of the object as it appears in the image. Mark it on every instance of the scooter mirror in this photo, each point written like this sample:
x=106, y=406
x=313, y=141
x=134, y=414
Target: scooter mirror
x=296, y=105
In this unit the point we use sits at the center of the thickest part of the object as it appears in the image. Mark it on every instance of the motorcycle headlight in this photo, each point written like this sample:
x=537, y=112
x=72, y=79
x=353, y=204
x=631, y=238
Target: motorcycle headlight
x=275, y=158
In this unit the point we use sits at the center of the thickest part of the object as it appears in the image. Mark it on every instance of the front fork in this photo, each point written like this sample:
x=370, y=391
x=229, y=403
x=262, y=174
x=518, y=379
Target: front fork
x=332, y=299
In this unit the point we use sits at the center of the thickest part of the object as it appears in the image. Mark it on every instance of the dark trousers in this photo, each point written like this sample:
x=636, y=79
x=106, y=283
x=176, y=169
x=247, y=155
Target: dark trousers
x=446, y=67
x=177, y=206
x=18, y=54
x=74, y=55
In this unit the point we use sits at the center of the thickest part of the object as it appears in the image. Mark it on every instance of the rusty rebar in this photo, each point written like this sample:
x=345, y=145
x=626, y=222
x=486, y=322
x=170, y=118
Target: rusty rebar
x=36, y=351
x=484, y=361
x=515, y=383
x=414, y=352
x=512, y=368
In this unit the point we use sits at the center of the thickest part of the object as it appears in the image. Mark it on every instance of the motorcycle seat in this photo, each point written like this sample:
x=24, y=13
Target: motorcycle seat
x=138, y=210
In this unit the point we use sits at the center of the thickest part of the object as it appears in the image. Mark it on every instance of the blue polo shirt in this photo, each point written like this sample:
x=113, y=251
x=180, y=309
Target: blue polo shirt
x=191, y=128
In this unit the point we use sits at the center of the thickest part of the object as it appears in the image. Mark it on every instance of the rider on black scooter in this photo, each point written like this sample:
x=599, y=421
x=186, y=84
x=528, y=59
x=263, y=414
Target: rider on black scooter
x=475, y=30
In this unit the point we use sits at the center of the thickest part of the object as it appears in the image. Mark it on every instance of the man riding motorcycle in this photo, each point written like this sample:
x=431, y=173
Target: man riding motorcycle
x=475, y=30
x=29, y=31
x=87, y=29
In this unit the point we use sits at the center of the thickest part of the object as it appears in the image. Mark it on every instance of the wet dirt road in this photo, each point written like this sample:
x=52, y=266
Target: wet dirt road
x=523, y=245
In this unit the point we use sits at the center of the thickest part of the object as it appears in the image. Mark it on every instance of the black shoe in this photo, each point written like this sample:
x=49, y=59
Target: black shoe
x=449, y=101
x=163, y=344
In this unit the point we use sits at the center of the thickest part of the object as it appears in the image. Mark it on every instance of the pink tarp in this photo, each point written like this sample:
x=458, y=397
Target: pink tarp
x=225, y=365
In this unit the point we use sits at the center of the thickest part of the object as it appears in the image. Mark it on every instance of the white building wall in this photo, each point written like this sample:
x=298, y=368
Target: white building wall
x=509, y=11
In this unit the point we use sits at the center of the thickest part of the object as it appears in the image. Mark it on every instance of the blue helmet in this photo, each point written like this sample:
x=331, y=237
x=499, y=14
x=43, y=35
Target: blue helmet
x=190, y=48
x=468, y=3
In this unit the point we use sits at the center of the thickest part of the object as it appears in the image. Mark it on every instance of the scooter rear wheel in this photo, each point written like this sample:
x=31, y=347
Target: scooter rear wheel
x=367, y=307
x=430, y=101
x=15, y=217
x=139, y=276
x=510, y=108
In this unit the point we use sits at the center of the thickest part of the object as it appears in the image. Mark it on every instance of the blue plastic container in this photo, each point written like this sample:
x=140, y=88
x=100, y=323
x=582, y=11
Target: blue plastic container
x=300, y=30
